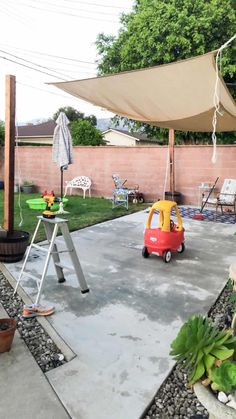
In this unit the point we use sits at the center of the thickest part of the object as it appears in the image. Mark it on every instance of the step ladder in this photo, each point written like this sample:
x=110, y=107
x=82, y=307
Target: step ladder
x=51, y=227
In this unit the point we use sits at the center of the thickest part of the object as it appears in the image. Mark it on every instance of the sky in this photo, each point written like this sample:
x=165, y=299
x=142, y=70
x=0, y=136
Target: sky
x=56, y=38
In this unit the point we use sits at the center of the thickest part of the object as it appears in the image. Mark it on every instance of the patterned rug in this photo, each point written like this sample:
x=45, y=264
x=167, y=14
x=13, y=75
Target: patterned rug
x=209, y=215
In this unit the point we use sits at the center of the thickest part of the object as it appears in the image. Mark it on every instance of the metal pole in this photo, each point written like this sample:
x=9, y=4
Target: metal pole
x=61, y=183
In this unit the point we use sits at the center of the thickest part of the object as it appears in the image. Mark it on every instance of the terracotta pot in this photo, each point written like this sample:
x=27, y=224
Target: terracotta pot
x=6, y=336
x=13, y=246
x=215, y=408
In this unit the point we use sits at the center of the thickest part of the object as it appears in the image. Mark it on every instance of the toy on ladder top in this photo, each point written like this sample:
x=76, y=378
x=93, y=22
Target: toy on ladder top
x=200, y=216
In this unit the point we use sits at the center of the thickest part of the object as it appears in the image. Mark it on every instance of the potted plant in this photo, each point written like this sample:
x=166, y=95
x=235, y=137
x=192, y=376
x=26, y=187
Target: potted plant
x=207, y=355
x=28, y=186
x=7, y=331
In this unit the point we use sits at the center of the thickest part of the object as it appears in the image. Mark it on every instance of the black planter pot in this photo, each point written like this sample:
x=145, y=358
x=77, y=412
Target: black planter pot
x=175, y=196
x=13, y=246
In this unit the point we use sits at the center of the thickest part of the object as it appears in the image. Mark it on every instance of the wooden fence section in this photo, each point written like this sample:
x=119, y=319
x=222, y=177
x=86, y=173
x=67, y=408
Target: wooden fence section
x=145, y=165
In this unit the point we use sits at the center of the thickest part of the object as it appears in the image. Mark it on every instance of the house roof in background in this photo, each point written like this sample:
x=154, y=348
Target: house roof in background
x=45, y=128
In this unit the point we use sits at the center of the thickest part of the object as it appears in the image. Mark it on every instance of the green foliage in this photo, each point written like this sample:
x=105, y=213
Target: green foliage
x=199, y=344
x=74, y=115
x=224, y=377
x=27, y=183
x=84, y=133
x=163, y=31
x=2, y=133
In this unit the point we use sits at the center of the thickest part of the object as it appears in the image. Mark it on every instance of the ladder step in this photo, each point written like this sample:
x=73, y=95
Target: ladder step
x=61, y=265
x=36, y=246
x=45, y=249
x=37, y=278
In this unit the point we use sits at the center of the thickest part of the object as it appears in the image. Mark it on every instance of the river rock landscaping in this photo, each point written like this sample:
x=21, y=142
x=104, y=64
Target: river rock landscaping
x=41, y=346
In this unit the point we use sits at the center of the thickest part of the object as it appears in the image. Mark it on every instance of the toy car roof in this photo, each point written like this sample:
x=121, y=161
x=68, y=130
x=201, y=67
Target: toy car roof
x=164, y=205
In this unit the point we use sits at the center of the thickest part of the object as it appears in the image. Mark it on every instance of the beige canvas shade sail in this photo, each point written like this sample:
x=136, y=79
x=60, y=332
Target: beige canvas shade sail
x=177, y=95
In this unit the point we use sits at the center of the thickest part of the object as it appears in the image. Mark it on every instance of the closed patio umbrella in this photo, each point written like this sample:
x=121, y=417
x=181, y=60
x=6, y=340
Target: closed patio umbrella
x=62, y=145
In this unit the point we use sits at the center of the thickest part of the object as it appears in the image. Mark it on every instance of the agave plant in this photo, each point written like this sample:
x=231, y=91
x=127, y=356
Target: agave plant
x=199, y=345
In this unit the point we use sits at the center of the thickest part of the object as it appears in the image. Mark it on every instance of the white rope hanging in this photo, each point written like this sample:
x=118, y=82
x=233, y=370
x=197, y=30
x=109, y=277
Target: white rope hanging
x=216, y=97
x=19, y=179
x=166, y=174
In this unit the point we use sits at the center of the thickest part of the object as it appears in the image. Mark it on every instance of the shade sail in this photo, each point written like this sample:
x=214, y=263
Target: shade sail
x=177, y=95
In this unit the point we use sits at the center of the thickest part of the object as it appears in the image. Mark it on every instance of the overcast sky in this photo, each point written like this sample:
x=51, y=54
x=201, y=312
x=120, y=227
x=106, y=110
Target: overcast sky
x=58, y=36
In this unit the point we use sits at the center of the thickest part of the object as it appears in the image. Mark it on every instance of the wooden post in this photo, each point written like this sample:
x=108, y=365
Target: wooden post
x=172, y=160
x=9, y=170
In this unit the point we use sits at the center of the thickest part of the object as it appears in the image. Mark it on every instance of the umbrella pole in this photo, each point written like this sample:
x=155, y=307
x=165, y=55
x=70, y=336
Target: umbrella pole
x=61, y=183
x=61, y=209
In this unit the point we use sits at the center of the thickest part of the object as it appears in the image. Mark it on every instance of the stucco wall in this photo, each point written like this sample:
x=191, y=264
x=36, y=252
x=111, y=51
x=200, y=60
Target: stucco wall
x=143, y=165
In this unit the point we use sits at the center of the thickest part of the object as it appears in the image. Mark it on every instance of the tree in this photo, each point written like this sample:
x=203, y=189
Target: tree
x=163, y=31
x=2, y=133
x=84, y=133
x=74, y=115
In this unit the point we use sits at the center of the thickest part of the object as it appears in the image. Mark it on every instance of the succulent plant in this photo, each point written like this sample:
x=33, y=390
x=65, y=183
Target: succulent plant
x=199, y=344
x=224, y=377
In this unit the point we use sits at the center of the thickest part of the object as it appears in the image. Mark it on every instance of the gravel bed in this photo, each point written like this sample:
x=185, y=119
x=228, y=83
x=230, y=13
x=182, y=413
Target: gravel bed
x=174, y=400
x=41, y=346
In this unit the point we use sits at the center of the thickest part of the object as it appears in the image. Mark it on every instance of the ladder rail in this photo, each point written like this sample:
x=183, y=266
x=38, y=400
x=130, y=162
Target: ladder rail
x=55, y=254
x=27, y=255
x=54, y=234
x=74, y=258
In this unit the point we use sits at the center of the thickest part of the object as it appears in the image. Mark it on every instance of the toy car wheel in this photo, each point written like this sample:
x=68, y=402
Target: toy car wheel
x=167, y=256
x=181, y=248
x=145, y=253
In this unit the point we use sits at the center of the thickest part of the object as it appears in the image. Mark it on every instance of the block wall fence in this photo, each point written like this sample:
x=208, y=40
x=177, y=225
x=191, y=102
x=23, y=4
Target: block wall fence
x=146, y=166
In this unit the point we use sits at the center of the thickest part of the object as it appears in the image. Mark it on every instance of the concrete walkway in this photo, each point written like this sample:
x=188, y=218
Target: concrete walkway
x=25, y=393
x=121, y=331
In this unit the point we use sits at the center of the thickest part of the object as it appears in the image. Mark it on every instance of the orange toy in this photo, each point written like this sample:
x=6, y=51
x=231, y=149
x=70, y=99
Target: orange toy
x=168, y=236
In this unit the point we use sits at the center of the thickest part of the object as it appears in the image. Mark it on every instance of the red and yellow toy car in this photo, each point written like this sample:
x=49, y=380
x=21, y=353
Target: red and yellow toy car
x=167, y=236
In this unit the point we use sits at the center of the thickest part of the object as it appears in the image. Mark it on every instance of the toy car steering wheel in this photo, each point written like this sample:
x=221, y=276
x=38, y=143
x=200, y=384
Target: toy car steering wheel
x=172, y=225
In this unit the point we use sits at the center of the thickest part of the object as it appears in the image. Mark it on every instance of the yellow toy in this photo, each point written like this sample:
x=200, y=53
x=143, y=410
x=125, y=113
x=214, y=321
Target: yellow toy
x=49, y=198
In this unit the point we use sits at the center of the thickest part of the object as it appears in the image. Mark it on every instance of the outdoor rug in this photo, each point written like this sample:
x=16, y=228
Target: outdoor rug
x=209, y=215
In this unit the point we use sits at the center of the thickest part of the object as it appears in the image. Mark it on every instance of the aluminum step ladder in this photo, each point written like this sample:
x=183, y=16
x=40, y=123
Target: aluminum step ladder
x=51, y=227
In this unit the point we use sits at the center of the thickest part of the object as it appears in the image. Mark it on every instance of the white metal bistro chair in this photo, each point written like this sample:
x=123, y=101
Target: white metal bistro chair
x=79, y=182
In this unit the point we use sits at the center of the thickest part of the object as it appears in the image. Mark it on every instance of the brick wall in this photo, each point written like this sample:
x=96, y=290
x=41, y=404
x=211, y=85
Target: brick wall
x=143, y=165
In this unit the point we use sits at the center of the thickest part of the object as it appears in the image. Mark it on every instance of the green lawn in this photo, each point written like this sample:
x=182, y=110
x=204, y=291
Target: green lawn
x=82, y=212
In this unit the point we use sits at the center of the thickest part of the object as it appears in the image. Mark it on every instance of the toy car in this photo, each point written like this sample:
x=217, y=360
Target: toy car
x=167, y=236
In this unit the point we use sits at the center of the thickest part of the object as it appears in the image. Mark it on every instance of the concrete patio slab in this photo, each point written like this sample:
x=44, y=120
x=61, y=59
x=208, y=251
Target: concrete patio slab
x=121, y=331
